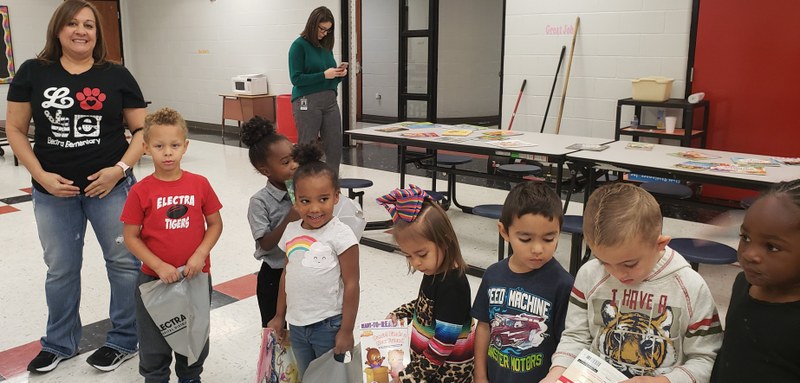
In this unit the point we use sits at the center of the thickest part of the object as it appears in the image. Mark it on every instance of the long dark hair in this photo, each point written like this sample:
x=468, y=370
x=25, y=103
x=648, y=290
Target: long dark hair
x=64, y=13
x=317, y=16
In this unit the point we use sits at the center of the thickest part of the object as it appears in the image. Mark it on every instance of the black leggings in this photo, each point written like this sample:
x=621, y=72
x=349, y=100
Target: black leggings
x=267, y=287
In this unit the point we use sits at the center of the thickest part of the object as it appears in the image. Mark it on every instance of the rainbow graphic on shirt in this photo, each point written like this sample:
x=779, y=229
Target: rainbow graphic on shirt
x=301, y=243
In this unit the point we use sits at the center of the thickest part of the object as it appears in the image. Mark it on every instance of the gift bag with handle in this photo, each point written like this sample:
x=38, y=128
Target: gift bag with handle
x=351, y=214
x=182, y=311
x=330, y=368
x=276, y=363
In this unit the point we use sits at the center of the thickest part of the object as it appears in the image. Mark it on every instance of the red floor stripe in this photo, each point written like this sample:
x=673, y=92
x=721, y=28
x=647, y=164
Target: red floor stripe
x=7, y=209
x=14, y=361
x=239, y=288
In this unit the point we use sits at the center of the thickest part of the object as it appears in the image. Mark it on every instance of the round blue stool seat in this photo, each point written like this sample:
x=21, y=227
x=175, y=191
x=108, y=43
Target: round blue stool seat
x=435, y=195
x=667, y=189
x=488, y=211
x=354, y=183
x=451, y=160
x=702, y=251
x=572, y=224
x=520, y=169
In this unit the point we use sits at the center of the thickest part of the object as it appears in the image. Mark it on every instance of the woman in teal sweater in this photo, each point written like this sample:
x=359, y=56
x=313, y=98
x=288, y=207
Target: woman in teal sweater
x=315, y=77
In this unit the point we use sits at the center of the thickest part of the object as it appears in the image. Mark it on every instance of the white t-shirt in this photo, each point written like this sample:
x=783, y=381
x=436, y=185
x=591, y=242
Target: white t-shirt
x=314, y=286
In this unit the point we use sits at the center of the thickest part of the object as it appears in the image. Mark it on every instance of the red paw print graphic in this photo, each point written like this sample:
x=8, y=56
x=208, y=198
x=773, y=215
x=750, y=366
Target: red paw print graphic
x=91, y=99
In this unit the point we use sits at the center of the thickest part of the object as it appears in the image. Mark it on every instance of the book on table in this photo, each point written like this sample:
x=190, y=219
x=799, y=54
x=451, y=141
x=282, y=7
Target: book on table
x=639, y=146
x=419, y=134
x=451, y=139
x=788, y=160
x=501, y=133
x=695, y=165
x=736, y=169
x=694, y=155
x=392, y=128
x=511, y=144
x=592, y=147
x=748, y=161
x=419, y=125
x=457, y=132
x=470, y=127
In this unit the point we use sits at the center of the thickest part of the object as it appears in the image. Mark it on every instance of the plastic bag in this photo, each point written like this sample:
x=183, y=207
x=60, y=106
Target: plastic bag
x=276, y=363
x=349, y=212
x=181, y=311
x=326, y=369
x=264, y=371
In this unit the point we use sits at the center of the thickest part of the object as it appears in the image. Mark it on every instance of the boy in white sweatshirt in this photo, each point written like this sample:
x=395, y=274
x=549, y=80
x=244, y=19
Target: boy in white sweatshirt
x=639, y=304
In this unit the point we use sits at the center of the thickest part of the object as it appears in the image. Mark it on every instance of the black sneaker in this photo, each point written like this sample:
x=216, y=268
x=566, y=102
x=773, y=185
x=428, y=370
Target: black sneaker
x=108, y=359
x=45, y=362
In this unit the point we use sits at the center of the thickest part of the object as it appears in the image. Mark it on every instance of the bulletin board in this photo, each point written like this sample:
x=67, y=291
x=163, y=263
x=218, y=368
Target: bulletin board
x=6, y=53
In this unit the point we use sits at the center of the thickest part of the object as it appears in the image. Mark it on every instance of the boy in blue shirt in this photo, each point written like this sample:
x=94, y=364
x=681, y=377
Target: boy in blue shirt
x=522, y=300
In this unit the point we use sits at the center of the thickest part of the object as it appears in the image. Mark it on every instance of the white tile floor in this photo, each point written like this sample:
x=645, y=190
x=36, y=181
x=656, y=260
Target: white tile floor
x=235, y=328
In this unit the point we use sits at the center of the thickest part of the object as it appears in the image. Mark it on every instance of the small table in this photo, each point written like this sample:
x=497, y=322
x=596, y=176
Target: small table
x=243, y=107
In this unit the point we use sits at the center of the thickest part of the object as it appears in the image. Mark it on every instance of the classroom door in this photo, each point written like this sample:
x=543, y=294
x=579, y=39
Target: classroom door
x=110, y=17
x=746, y=61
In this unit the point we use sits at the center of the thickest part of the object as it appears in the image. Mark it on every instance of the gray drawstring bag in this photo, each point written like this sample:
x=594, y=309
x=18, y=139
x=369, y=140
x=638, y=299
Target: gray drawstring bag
x=351, y=214
x=330, y=368
x=181, y=311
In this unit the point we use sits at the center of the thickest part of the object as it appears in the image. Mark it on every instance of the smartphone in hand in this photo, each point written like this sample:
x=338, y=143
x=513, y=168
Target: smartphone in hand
x=344, y=64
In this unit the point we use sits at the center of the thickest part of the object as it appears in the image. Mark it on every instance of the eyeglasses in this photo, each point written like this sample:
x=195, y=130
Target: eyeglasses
x=325, y=30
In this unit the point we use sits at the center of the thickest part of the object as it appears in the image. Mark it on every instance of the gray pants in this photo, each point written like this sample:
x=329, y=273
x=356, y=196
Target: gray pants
x=155, y=354
x=322, y=120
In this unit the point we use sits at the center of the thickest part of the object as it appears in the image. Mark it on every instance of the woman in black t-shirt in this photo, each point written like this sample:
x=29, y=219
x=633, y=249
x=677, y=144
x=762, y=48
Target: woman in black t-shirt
x=80, y=169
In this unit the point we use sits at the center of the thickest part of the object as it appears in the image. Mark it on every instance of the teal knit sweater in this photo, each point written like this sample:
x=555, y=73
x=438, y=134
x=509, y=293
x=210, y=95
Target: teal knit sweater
x=307, y=65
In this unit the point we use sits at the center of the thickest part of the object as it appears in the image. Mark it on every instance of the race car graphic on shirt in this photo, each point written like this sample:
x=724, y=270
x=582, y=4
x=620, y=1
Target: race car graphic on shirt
x=520, y=331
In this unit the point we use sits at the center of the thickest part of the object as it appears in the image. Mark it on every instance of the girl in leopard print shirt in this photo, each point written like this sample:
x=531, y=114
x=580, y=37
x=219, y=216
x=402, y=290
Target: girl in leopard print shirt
x=442, y=335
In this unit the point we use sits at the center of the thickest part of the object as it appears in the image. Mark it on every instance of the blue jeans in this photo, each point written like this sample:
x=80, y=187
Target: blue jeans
x=62, y=227
x=310, y=342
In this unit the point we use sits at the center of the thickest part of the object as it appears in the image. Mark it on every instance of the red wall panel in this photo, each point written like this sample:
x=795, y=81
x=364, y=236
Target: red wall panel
x=747, y=62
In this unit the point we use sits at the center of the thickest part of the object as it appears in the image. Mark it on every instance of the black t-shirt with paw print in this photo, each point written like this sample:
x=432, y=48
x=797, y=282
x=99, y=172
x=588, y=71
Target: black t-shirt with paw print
x=77, y=118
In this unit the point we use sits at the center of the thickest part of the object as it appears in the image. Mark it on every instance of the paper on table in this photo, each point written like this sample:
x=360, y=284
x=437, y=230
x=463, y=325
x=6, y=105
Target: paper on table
x=511, y=144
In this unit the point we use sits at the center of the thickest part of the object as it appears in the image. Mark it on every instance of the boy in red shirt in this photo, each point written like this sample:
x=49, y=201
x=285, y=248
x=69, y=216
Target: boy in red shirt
x=171, y=220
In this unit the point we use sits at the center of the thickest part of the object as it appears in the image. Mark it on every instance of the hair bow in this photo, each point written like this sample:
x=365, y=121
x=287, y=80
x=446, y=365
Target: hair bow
x=404, y=203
